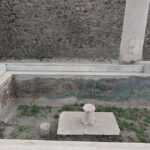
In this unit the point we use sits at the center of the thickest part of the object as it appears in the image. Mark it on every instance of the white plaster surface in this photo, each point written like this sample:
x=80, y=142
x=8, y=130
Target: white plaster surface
x=146, y=66
x=134, y=26
x=70, y=124
x=2, y=68
x=69, y=145
x=117, y=68
x=26, y=75
x=4, y=78
x=74, y=67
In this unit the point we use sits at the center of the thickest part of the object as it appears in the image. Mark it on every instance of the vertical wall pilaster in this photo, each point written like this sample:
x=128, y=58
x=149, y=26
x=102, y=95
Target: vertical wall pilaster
x=135, y=20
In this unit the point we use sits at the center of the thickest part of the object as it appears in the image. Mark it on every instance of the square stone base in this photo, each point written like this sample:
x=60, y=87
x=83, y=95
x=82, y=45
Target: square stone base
x=70, y=124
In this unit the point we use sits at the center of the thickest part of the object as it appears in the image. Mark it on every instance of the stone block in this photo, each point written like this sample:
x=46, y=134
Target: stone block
x=45, y=129
x=70, y=124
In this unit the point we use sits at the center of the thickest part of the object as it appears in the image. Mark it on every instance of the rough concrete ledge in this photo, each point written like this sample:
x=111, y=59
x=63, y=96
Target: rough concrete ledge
x=146, y=66
x=58, y=67
x=2, y=68
x=59, y=145
x=4, y=78
x=26, y=75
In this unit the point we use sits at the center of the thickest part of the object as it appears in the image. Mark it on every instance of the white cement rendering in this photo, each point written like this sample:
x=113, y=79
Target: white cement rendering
x=146, y=66
x=24, y=75
x=70, y=124
x=4, y=78
x=2, y=69
x=59, y=145
x=134, y=27
x=74, y=67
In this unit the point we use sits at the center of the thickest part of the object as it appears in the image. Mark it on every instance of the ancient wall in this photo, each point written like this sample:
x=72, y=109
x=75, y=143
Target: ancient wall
x=62, y=28
x=7, y=98
x=102, y=89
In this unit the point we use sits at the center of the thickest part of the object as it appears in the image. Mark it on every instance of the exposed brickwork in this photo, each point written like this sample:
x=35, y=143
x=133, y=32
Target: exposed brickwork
x=62, y=28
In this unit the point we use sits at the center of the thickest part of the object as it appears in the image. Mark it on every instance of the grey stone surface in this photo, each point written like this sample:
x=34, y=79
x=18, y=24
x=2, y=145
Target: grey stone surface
x=70, y=124
x=2, y=69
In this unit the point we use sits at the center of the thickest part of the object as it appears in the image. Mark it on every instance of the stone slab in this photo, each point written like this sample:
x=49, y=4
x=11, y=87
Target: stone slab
x=70, y=124
x=48, y=67
x=69, y=145
x=117, y=68
x=106, y=124
x=74, y=67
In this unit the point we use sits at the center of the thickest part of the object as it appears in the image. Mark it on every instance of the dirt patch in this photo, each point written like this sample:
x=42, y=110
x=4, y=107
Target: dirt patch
x=134, y=123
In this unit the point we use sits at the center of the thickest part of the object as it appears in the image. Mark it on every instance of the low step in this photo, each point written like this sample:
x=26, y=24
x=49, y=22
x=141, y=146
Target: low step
x=74, y=67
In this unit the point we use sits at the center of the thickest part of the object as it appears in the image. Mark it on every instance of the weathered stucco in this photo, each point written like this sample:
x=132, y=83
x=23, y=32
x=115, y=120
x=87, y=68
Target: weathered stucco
x=132, y=88
x=7, y=93
x=7, y=98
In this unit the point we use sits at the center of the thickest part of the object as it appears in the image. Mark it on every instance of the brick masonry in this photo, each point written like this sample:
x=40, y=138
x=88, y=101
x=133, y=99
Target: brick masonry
x=63, y=28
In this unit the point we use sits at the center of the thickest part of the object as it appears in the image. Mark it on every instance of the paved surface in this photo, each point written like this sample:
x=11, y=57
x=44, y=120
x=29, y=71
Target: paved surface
x=70, y=124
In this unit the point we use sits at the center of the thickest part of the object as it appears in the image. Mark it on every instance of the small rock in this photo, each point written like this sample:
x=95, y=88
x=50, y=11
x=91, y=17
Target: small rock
x=45, y=129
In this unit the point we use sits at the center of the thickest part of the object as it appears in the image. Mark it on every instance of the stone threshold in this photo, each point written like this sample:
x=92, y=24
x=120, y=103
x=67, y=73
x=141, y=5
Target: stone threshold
x=69, y=145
